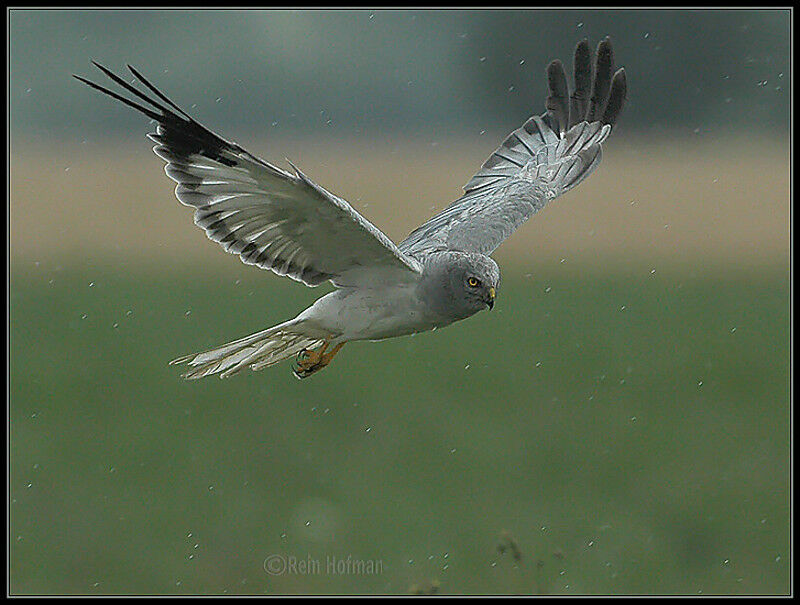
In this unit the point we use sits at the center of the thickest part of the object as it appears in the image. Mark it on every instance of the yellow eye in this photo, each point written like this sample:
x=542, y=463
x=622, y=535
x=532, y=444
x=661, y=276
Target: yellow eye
x=473, y=282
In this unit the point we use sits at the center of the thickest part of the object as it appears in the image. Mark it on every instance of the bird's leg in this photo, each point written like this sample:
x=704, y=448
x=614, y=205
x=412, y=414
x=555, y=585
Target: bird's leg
x=314, y=360
x=308, y=358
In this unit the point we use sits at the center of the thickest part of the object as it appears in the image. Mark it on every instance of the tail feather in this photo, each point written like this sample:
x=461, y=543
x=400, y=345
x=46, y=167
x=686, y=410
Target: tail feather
x=257, y=351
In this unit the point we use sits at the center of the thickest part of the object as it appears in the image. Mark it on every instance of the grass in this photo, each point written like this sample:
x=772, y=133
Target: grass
x=627, y=430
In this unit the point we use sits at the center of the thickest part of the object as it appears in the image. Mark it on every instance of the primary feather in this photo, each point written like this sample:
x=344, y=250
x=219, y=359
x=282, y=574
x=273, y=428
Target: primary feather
x=271, y=218
x=549, y=155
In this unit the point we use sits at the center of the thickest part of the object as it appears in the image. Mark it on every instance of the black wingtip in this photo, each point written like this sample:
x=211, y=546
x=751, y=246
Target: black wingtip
x=157, y=92
x=558, y=99
x=605, y=52
x=148, y=112
x=604, y=67
x=582, y=74
x=617, y=97
x=554, y=67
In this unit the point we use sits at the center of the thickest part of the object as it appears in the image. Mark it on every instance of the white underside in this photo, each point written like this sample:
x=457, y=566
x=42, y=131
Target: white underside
x=368, y=314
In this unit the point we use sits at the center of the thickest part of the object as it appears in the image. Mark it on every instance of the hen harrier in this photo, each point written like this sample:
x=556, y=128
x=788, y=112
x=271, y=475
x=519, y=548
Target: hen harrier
x=439, y=274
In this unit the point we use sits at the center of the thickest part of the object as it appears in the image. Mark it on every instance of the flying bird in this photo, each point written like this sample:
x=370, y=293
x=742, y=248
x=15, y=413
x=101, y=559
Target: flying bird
x=442, y=272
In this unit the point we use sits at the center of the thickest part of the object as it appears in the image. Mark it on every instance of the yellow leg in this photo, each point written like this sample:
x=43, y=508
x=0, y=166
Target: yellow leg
x=309, y=358
x=312, y=361
x=328, y=357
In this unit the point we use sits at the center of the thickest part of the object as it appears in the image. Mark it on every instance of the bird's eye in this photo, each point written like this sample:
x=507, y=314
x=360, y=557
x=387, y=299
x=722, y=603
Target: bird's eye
x=473, y=282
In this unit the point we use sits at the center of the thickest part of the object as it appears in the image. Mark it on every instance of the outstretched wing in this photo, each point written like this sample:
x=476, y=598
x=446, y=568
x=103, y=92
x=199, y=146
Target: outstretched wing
x=548, y=156
x=269, y=217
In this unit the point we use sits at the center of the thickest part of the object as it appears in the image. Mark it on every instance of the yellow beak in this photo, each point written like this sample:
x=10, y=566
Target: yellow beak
x=491, y=293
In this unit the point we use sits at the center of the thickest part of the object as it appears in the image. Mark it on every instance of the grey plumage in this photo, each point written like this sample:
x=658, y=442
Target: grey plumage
x=441, y=273
x=535, y=164
x=269, y=217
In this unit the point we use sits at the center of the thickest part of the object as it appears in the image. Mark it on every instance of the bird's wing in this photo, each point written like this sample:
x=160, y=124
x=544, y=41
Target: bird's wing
x=548, y=156
x=271, y=218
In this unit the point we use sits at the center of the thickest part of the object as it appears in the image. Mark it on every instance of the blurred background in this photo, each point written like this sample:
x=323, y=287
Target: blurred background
x=620, y=423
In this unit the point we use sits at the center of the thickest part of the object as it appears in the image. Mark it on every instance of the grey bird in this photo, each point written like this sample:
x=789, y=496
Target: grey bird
x=441, y=273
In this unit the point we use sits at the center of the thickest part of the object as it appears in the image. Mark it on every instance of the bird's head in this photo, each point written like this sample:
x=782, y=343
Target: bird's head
x=461, y=284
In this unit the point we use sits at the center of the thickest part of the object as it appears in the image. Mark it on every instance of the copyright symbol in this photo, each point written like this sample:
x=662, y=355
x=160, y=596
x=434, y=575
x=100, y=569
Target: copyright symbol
x=275, y=565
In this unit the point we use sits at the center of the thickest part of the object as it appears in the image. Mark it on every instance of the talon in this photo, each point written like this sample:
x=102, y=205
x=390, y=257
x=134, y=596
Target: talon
x=310, y=361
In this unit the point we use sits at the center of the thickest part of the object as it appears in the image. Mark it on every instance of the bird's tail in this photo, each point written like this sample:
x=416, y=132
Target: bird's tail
x=256, y=351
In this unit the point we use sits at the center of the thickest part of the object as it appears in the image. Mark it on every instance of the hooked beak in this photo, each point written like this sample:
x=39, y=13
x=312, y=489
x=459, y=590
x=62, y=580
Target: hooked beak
x=490, y=302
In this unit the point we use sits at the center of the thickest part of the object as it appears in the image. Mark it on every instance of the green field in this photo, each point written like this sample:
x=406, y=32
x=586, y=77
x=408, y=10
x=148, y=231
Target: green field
x=630, y=431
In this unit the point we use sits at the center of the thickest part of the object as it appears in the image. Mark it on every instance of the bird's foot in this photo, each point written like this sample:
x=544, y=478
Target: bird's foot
x=310, y=361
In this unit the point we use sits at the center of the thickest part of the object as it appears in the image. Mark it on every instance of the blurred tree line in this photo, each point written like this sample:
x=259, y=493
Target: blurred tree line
x=399, y=72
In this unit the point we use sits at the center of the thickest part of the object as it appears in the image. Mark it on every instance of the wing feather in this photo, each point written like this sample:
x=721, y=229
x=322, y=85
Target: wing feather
x=549, y=155
x=271, y=218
